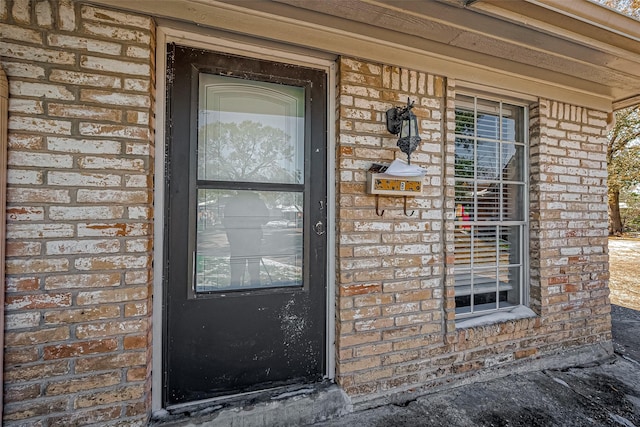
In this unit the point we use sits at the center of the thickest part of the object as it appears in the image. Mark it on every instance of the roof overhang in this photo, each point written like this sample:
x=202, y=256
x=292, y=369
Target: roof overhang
x=567, y=50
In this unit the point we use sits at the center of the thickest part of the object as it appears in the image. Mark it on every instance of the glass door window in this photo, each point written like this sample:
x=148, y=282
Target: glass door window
x=250, y=135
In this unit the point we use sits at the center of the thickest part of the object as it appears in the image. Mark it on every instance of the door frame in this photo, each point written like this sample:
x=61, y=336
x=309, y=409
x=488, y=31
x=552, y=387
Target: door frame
x=227, y=43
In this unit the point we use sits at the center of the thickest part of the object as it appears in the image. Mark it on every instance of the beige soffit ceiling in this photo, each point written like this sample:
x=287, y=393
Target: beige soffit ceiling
x=568, y=50
x=589, y=24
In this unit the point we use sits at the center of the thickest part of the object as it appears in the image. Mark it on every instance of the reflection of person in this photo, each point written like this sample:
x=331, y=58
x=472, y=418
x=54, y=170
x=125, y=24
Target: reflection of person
x=244, y=215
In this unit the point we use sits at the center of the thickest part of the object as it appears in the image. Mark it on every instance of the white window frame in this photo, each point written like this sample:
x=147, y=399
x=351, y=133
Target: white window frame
x=519, y=310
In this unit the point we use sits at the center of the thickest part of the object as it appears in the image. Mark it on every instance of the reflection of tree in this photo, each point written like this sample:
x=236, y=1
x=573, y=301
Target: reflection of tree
x=246, y=151
x=464, y=169
x=465, y=124
x=476, y=159
x=464, y=158
x=486, y=152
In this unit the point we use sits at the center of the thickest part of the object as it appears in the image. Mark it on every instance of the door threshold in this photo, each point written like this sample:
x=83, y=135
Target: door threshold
x=259, y=395
x=292, y=405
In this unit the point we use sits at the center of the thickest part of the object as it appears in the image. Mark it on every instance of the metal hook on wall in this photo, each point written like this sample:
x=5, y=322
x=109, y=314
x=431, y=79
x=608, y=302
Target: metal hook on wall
x=378, y=210
x=405, y=208
x=382, y=213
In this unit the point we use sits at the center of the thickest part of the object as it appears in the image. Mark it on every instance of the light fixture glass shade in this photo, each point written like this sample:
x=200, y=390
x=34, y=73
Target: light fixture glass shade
x=409, y=135
x=401, y=121
x=409, y=127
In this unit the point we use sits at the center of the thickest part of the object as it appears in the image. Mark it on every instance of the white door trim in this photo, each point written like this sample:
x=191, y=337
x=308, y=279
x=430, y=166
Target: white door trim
x=168, y=34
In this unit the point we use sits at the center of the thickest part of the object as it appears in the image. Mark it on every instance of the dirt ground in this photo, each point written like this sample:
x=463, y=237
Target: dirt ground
x=624, y=282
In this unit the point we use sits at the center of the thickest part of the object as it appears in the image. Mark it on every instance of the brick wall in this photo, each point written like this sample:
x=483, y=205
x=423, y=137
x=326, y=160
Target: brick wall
x=78, y=288
x=390, y=267
x=569, y=266
x=78, y=308
x=395, y=310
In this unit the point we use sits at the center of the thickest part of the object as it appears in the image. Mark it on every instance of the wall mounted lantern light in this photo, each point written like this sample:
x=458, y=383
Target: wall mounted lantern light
x=400, y=120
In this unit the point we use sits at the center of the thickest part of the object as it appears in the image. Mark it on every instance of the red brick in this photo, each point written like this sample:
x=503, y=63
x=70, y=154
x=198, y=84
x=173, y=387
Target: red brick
x=346, y=151
x=360, y=364
x=400, y=308
x=558, y=280
x=401, y=332
x=412, y=319
x=372, y=299
x=39, y=336
x=82, y=383
x=114, y=262
x=410, y=296
x=135, y=342
x=34, y=408
x=394, y=383
x=81, y=418
x=20, y=355
x=137, y=277
x=84, y=111
x=136, y=309
x=112, y=295
x=361, y=389
x=111, y=327
x=372, y=324
x=22, y=284
x=466, y=367
x=116, y=361
x=82, y=281
x=137, y=374
x=405, y=356
x=21, y=393
x=16, y=249
x=37, y=195
x=572, y=288
x=106, y=397
x=31, y=266
x=373, y=349
x=360, y=338
x=75, y=349
x=36, y=372
x=360, y=313
x=359, y=289
x=555, y=299
x=38, y=301
x=79, y=315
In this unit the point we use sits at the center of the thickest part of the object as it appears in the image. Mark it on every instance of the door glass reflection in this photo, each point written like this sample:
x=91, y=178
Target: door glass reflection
x=248, y=239
x=250, y=131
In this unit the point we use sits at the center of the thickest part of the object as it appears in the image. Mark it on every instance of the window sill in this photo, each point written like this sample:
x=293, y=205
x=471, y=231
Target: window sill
x=520, y=312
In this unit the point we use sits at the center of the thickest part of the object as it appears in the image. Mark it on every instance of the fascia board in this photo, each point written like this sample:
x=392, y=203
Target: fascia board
x=565, y=24
x=627, y=102
x=594, y=14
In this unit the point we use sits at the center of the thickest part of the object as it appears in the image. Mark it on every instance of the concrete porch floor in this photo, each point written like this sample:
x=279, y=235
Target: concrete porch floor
x=603, y=393
x=575, y=393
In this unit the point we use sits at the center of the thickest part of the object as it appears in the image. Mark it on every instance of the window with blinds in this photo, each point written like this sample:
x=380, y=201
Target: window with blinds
x=491, y=207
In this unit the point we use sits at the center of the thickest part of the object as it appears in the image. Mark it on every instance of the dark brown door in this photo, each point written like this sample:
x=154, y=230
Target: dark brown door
x=245, y=263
